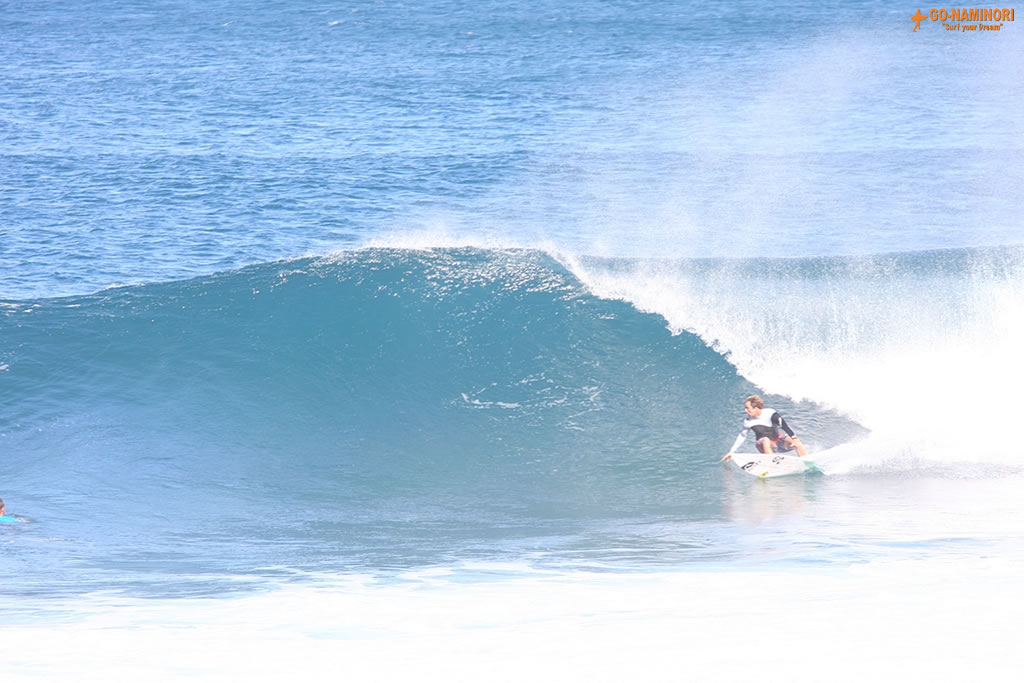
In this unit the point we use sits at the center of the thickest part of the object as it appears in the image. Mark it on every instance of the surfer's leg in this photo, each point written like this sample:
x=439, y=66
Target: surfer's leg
x=764, y=445
x=792, y=443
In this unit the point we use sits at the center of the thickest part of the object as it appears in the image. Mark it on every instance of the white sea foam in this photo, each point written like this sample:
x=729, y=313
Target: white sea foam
x=919, y=620
x=927, y=363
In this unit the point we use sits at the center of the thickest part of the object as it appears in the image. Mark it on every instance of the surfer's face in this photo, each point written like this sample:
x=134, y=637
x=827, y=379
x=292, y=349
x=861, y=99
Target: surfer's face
x=751, y=410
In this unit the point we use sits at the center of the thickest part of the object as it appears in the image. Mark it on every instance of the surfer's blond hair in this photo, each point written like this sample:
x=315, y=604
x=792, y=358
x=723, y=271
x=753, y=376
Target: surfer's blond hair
x=755, y=401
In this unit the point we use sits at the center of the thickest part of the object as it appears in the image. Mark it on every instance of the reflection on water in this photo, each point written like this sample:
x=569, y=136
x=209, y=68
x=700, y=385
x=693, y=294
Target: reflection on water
x=815, y=518
x=749, y=500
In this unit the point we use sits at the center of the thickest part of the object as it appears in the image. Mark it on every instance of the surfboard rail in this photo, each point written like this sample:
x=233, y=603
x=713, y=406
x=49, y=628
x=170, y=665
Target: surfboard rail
x=770, y=465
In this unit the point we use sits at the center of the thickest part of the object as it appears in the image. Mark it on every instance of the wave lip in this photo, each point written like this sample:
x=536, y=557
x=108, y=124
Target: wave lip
x=917, y=347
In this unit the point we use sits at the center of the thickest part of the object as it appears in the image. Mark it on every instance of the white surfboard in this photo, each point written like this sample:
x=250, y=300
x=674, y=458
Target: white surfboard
x=765, y=465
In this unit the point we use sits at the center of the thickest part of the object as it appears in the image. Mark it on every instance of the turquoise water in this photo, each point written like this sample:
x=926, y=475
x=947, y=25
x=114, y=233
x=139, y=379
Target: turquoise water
x=384, y=409
x=473, y=290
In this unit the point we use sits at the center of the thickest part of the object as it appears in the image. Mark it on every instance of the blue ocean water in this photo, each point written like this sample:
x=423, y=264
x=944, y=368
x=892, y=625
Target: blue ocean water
x=147, y=142
x=295, y=289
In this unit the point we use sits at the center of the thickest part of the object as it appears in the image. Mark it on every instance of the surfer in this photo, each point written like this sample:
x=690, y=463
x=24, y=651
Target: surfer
x=766, y=425
x=4, y=518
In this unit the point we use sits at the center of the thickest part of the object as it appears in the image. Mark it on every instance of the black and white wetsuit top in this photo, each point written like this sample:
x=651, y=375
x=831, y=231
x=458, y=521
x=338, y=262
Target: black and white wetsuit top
x=767, y=424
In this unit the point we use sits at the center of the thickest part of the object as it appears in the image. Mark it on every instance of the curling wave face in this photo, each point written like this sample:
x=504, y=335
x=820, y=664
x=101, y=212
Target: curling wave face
x=367, y=409
x=394, y=407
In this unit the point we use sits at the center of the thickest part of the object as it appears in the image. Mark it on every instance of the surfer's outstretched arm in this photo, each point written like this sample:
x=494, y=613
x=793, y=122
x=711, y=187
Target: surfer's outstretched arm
x=736, y=444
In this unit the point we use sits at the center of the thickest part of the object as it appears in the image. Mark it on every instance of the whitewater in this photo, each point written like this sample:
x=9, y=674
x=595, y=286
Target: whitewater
x=388, y=342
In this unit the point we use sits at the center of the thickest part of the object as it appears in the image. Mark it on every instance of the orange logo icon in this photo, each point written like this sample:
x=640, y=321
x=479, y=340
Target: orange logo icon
x=918, y=18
